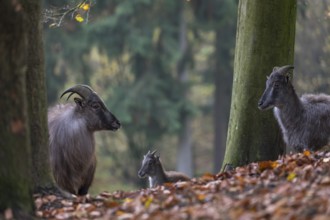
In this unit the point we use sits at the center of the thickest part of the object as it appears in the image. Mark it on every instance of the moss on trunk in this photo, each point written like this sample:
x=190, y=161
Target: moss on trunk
x=36, y=95
x=15, y=168
x=265, y=38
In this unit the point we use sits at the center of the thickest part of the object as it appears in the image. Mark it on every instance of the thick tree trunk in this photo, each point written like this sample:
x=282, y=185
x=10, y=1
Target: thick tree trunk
x=265, y=38
x=37, y=104
x=15, y=168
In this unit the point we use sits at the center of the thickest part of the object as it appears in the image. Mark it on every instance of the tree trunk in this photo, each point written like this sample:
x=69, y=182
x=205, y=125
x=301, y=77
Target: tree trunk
x=223, y=85
x=265, y=38
x=36, y=95
x=15, y=169
x=185, y=155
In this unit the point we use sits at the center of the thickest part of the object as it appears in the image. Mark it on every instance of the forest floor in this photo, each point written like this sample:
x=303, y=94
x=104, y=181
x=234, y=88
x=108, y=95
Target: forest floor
x=295, y=186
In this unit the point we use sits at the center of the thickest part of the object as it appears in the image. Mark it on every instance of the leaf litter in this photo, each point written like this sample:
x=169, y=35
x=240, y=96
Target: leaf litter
x=296, y=186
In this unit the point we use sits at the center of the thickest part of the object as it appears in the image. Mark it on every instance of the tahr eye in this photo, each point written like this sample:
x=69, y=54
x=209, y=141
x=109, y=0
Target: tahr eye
x=276, y=85
x=96, y=106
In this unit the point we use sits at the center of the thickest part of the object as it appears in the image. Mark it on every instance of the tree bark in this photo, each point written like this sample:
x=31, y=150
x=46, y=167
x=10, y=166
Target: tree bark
x=265, y=38
x=15, y=169
x=36, y=95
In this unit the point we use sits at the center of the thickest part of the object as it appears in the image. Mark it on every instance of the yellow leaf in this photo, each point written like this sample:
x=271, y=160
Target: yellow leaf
x=128, y=200
x=263, y=165
x=291, y=176
x=84, y=6
x=274, y=164
x=148, y=202
x=79, y=18
x=119, y=212
x=307, y=153
x=201, y=197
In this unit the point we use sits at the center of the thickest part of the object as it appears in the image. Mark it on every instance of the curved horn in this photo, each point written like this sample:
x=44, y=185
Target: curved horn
x=153, y=153
x=83, y=90
x=284, y=69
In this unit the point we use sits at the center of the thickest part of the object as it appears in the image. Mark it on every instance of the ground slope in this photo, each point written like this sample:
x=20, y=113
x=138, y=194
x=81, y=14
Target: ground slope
x=295, y=186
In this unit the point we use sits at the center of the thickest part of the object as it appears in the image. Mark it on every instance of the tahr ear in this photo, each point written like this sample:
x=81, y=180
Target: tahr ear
x=79, y=102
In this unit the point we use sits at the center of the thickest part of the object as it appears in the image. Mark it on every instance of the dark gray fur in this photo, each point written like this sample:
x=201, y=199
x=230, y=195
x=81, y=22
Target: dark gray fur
x=153, y=168
x=304, y=121
x=71, y=140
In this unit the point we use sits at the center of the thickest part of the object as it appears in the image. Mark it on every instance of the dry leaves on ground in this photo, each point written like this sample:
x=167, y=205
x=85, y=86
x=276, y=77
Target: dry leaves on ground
x=293, y=187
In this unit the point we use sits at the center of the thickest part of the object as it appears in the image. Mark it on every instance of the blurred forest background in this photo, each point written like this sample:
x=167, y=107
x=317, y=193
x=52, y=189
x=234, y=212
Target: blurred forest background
x=164, y=68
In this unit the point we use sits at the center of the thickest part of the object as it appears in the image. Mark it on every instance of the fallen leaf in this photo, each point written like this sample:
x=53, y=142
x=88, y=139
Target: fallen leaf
x=325, y=181
x=105, y=194
x=39, y=214
x=263, y=165
x=68, y=209
x=243, y=193
x=321, y=217
x=119, y=213
x=148, y=202
x=95, y=214
x=51, y=198
x=273, y=207
x=201, y=197
x=38, y=203
x=170, y=201
x=326, y=160
x=111, y=204
x=128, y=200
x=64, y=215
x=307, y=153
x=208, y=177
x=181, y=185
x=291, y=176
x=67, y=203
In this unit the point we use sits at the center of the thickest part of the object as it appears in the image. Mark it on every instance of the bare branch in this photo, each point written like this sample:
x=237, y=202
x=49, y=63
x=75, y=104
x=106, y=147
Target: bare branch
x=56, y=16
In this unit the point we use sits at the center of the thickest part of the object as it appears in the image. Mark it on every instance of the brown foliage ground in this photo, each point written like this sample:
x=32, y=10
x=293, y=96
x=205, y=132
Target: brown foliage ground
x=296, y=186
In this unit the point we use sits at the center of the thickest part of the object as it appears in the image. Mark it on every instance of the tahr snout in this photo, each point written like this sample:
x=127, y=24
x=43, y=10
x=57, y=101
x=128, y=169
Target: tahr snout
x=141, y=174
x=260, y=104
x=115, y=124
